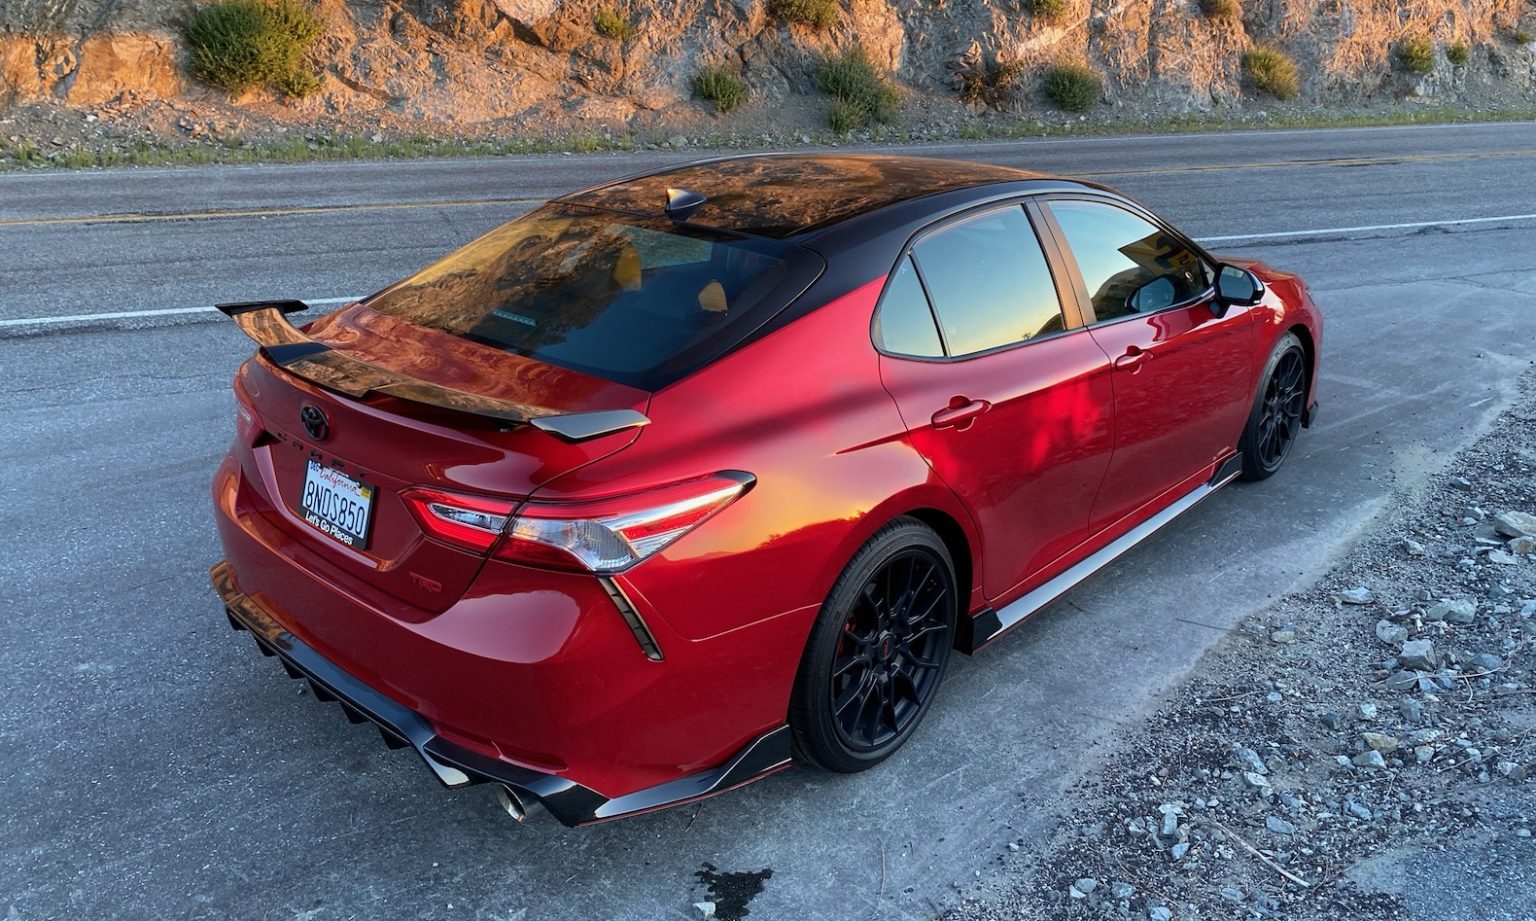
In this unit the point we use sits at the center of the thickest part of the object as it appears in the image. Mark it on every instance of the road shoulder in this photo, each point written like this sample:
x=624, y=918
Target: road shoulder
x=1364, y=748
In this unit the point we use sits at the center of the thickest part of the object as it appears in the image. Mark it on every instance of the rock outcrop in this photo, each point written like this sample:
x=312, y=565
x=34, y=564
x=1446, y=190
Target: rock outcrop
x=459, y=62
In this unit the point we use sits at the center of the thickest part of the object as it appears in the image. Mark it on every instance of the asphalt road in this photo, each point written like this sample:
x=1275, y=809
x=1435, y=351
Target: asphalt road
x=155, y=767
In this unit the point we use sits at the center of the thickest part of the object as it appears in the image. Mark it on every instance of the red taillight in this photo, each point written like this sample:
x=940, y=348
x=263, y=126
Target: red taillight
x=605, y=535
x=472, y=522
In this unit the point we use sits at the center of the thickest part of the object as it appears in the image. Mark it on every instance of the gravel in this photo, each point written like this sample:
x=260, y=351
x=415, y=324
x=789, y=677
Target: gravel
x=1382, y=719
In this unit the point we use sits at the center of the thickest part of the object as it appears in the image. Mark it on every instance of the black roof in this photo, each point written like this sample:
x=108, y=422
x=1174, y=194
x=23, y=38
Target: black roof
x=784, y=195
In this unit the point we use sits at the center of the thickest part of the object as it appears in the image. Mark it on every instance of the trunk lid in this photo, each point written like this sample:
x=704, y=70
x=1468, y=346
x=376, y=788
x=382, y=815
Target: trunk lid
x=390, y=444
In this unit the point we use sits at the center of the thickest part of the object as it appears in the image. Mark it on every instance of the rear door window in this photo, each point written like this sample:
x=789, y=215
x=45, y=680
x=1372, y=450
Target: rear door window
x=989, y=282
x=904, y=325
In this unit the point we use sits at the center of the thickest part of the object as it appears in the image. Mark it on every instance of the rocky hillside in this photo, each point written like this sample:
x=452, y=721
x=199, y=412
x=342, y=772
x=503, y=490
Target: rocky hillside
x=546, y=65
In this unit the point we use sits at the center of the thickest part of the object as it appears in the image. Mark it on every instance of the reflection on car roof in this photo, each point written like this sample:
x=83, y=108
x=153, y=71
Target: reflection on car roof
x=786, y=195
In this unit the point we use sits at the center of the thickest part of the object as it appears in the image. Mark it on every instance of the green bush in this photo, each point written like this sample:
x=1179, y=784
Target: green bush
x=818, y=14
x=720, y=86
x=1416, y=54
x=1072, y=87
x=610, y=22
x=1050, y=10
x=241, y=44
x=860, y=93
x=1221, y=9
x=1272, y=71
x=1459, y=53
x=1522, y=37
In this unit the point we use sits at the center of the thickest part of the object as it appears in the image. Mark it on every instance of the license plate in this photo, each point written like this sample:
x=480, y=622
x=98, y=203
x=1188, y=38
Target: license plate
x=338, y=505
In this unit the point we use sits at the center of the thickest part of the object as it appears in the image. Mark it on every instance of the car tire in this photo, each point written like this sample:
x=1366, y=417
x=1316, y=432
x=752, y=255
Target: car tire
x=1274, y=423
x=877, y=651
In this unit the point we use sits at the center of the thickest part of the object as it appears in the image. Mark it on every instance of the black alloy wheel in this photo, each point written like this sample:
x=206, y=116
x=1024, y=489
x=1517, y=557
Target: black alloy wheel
x=878, y=650
x=1275, y=421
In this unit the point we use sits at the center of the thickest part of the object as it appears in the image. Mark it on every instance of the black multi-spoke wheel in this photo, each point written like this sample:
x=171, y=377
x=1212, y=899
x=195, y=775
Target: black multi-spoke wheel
x=877, y=652
x=1275, y=420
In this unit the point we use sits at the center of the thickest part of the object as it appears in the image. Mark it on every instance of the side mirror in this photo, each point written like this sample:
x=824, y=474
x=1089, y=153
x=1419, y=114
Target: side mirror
x=1236, y=286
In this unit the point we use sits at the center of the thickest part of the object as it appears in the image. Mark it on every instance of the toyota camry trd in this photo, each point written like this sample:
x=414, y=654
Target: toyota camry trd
x=676, y=480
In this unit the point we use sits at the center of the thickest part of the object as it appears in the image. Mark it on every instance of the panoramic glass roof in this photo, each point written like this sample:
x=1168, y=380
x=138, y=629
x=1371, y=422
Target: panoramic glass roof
x=780, y=196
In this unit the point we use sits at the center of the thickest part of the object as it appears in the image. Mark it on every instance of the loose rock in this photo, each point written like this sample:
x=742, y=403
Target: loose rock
x=1380, y=742
x=1419, y=654
x=1248, y=759
x=1369, y=759
x=1460, y=611
x=1486, y=662
x=1515, y=524
x=1390, y=633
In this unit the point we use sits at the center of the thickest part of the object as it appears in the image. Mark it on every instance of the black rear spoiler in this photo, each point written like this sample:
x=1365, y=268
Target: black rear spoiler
x=288, y=347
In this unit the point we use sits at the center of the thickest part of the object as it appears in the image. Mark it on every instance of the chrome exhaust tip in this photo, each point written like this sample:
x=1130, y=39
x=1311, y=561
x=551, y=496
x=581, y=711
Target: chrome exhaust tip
x=511, y=802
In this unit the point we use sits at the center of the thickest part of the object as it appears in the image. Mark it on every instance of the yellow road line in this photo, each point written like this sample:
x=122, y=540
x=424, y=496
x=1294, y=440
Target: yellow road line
x=143, y=217
x=1303, y=164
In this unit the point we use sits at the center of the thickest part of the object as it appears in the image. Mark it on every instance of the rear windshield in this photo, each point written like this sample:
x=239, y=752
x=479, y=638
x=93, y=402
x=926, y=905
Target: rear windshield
x=630, y=299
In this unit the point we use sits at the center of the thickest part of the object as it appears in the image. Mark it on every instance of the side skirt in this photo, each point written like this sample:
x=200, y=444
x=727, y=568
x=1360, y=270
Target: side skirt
x=976, y=632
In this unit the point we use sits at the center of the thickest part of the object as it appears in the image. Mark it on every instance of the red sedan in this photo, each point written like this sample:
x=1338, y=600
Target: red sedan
x=638, y=497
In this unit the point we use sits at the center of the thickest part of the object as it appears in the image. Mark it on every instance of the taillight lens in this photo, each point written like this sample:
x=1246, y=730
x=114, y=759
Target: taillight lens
x=606, y=535
x=472, y=522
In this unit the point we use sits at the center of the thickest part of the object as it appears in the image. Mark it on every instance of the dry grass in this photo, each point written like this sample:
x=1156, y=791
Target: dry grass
x=818, y=14
x=1272, y=71
x=613, y=24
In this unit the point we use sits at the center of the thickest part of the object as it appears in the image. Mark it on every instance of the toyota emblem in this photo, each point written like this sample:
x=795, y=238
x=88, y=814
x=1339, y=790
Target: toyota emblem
x=314, y=421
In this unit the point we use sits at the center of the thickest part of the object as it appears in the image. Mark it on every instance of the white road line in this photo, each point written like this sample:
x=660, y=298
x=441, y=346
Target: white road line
x=322, y=302
x=1330, y=231
x=137, y=314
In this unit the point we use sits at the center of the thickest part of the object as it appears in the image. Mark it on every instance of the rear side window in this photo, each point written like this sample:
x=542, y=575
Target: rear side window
x=989, y=282
x=1129, y=265
x=904, y=325
x=634, y=300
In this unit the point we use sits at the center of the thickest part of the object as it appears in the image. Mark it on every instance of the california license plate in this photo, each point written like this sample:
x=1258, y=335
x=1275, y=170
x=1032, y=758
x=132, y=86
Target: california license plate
x=337, y=504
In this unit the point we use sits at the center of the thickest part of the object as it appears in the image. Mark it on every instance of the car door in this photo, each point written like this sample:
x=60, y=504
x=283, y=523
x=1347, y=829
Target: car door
x=1006, y=395
x=1182, y=371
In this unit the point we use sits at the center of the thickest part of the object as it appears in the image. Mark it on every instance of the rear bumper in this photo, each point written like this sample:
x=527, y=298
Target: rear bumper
x=457, y=766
